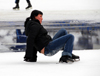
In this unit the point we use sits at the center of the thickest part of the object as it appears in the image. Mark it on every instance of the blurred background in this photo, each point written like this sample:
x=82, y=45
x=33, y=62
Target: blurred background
x=79, y=17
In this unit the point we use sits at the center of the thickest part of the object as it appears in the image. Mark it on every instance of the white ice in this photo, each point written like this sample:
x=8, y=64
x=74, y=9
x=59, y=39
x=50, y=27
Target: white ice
x=54, y=4
x=12, y=64
x=52, y=9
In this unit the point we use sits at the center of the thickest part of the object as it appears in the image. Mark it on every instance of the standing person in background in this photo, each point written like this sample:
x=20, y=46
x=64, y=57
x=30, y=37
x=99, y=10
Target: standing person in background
x=17, y=4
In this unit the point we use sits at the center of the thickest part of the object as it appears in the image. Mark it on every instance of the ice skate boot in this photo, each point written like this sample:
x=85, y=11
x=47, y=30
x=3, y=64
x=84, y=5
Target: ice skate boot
x=16, y=7
x=66, y=59
x=75, y=57
x=30, y=59
x=29, y=6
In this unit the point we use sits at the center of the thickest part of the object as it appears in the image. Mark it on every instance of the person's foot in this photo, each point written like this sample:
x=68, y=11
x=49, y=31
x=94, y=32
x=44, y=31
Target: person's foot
x=28, y=7
x=16, y=7
x=30, y=60
x=75, y=57
x=66, y=59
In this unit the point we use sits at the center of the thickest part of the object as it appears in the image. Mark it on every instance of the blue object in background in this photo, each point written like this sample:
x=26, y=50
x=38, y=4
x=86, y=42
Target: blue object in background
x=21, y=38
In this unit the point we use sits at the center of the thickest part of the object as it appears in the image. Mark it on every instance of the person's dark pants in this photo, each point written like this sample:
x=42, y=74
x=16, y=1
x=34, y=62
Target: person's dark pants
x=31, y=54
x=17, y=1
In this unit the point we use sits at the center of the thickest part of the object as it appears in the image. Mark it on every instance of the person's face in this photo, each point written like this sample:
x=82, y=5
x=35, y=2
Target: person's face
x=39, y=17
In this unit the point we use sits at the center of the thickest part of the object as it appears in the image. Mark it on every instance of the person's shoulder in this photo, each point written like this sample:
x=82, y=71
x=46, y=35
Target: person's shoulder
x=35, y=22
x=32, y=23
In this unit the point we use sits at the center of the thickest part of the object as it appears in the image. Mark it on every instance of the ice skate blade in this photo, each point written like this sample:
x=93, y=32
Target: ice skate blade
x=65, y=62
x=16, y=9
x=29, y=8
x=76, y=60
x=68, y=61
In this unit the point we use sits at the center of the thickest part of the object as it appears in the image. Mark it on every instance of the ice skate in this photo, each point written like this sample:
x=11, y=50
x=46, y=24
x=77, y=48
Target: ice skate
x=66, y=59
x=75, y=57
x=28, y=7
x=16, y=7
x=30, y=59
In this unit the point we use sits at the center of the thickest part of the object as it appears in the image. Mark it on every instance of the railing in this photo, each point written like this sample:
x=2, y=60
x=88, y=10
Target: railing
x=87, y=34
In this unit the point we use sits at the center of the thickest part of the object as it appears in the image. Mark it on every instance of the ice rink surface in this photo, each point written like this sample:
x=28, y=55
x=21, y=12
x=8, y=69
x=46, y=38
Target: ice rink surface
x=52, y=9
x=12, y=64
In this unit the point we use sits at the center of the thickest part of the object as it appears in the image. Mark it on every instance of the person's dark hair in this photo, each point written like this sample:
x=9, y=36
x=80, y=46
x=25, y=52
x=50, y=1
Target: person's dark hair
x=34, y=13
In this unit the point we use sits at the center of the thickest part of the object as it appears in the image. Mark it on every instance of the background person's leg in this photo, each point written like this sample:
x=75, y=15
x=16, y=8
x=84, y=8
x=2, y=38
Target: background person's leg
x=17, y=4
x=29, y=4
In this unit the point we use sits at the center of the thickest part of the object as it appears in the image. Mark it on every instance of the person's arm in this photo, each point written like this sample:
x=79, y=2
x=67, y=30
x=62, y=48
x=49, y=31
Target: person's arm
x=34, y=30
x=42, y=51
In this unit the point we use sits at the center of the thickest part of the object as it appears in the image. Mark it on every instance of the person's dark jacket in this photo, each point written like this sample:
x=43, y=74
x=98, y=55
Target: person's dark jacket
x=37, y=35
